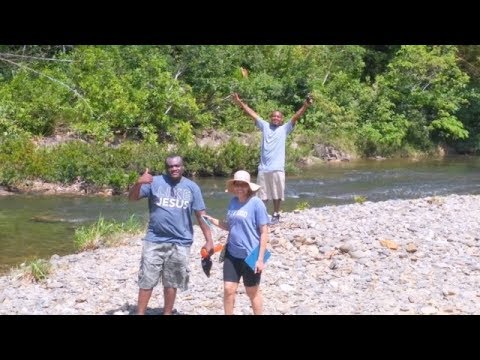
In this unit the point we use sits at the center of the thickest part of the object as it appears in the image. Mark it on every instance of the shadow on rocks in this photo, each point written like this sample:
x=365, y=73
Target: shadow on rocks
x=128, y=309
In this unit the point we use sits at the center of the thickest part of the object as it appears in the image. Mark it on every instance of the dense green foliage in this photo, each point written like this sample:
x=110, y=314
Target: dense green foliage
x=128, y=106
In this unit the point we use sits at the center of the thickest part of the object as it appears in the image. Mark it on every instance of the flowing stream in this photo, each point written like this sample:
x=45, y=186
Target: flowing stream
x=23, y=237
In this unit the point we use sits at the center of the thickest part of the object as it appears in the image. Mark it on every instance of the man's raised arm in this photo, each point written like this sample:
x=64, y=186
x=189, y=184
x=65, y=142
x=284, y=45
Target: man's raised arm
x=244, y=107
x=308, y=101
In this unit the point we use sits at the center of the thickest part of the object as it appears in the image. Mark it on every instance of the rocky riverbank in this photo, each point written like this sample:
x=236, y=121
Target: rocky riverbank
x=393, y=257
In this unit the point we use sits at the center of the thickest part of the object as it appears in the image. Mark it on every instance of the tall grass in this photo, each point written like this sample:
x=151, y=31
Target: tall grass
x=34, y=271
x=105, y=232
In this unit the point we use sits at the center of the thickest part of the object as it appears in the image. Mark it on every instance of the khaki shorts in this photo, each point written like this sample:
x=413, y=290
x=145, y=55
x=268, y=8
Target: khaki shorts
x=166, y=261
x=272, y=185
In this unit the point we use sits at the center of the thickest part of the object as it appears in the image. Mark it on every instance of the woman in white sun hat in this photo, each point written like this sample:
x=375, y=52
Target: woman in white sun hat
x=247, y=224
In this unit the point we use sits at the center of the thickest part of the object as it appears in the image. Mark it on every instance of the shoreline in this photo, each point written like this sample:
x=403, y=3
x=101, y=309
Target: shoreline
x=79, y=188
x=39, y=188
x=417, y=256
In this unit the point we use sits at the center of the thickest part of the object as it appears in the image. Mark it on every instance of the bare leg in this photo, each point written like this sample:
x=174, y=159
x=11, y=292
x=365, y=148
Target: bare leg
x=276, y=205
x=169, y=295
x=143, y=298
x=266, y=204
x=229, y=292
x=256, y=299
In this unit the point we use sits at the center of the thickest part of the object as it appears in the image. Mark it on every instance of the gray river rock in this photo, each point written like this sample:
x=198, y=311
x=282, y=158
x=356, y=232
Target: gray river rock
x=393, y=257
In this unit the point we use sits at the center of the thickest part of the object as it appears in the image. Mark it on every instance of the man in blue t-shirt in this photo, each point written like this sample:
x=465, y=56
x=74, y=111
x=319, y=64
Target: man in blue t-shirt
x=166, y=248
x=271, y=170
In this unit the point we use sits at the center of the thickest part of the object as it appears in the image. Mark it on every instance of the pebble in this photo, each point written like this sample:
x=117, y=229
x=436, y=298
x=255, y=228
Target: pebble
x=343, y=268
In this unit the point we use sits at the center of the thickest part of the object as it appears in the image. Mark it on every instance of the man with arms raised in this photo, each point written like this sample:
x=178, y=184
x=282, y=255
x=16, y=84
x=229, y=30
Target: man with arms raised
x=271, y=170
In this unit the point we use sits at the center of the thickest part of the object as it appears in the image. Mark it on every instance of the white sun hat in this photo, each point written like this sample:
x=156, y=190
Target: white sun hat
x=241, y=175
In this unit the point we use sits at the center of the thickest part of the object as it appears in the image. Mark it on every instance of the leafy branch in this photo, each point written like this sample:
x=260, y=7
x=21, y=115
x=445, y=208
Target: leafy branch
x=35, y=57
x=75, y=92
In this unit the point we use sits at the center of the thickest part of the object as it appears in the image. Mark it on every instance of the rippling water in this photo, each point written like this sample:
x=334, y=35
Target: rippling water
x=22, y=238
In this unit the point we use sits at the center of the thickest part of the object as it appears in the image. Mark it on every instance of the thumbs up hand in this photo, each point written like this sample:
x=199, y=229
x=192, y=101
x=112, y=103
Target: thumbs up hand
x=145, y=178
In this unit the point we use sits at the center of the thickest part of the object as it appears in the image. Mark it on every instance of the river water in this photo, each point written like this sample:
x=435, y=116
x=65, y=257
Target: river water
x=22, y=238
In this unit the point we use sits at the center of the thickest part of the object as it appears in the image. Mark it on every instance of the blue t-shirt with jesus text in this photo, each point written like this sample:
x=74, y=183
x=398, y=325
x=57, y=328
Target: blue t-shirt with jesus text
x=171, y=206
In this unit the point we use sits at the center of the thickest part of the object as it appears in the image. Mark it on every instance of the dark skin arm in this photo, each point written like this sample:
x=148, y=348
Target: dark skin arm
x=145, y=178
x=207, y=232
x=249, y=111
x=308, y=101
